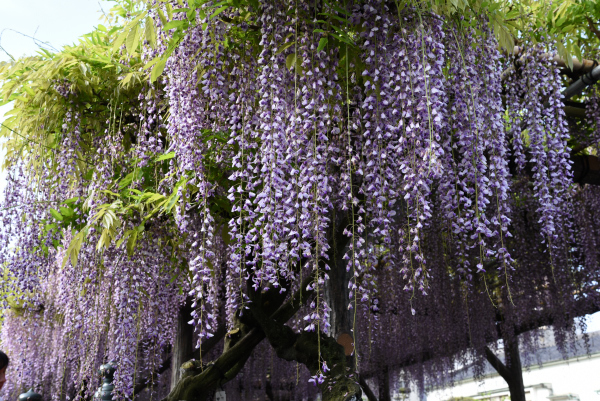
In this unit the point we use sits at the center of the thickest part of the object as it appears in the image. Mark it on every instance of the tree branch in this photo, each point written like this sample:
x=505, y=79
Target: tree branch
x=586, y=169
x=195, y=386
x=497, y=364
x=592, y=27
x=368, y=392
x=311, y=349
x=207, y=346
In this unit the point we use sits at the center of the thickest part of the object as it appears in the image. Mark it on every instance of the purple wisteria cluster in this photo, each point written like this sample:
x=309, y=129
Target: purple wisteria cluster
x=537, y=121
x=388, y=148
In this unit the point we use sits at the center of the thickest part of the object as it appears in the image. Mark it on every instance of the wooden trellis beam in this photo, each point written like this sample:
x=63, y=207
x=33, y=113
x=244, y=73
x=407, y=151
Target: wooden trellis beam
x=589, y=78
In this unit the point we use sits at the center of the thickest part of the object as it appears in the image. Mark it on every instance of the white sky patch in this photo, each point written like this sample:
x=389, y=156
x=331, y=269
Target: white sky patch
x=593, y=322
x=27, y=25
x=53, y=23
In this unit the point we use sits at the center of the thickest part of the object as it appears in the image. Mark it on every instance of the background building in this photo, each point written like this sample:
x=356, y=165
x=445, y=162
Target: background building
x=547, y=375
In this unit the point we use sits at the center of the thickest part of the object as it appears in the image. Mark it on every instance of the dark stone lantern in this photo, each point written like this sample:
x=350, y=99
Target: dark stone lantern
x=105, y=392
x=30, y=396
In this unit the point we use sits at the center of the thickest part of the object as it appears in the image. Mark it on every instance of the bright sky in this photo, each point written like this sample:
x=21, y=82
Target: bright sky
x=593, y=322
x=53, y=24
x=58, y=23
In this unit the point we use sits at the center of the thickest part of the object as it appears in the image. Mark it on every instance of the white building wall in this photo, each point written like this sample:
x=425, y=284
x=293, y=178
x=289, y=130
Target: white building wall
x=571, y=379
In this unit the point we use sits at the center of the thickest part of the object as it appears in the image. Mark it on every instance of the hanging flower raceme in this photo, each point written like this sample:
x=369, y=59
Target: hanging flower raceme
x=284, y=143
x=536, y=114
x=592, y=112
x=474, y=190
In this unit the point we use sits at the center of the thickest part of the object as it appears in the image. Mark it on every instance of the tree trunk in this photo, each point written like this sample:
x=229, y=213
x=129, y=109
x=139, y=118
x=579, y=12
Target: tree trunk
x=513, y=360
x=183, y=346
x=337, y=380
x=511, y=371
x=336, y=291
x=337, y=296
x=384, y=385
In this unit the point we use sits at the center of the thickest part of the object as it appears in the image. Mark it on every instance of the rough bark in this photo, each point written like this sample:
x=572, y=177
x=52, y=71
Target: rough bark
x=497, y=364
x=586, y=169
x=367, y=390
x=384, y=385
x=183, y=346
x=337, y=292
x=516, y=386
x=311, y=348
x=337, y=298
x=512, y=371
x=207, y=346
x=200, y=380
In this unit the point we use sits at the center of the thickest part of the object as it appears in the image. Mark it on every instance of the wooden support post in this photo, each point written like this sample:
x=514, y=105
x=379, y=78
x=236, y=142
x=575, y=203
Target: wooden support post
x=183, y=346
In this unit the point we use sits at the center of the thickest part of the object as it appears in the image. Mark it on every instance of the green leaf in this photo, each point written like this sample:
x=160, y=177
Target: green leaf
x=339, y=9
x=124, y=183
x=158, y=69
x=218, y=11
x=564, y=54
x=56, y=214
x=106, y=191
x=161, y=15
x=155, y=198
x=152, y=62
x=67, y=212
x=120, y=39
x=505, y=38
x=172, y=201
x=290, y=61
x=286, y=46
x=133, y=39
x=166, y=156
x=191, y=16
x=322, y=44
x=150, y=33
x=71, y=200
x=74, y=247
x=126, y=79
x=126, y=235
x=131, y=242
x=88, y=175
x=174, y=24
